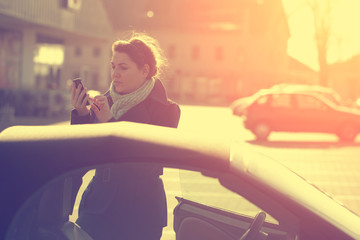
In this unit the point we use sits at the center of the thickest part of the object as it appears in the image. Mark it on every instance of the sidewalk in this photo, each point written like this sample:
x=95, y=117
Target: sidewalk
x=5, y=123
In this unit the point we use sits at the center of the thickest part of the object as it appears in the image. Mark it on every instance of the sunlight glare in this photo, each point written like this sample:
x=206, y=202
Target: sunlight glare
x=345, y=36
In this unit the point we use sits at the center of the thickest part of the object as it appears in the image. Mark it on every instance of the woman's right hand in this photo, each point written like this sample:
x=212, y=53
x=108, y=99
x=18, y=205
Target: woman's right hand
x=102, y=111
x=78, y=100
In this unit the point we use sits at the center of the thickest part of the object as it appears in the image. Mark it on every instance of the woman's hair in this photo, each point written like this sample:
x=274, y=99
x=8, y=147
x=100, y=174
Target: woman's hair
x=142, y=49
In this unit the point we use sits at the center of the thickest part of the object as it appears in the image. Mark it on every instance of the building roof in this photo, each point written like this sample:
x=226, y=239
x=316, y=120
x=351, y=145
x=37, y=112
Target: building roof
x=295, y=64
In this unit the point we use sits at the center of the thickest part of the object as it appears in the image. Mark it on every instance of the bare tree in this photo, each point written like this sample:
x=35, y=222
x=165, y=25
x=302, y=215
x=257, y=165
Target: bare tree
x=322, y=10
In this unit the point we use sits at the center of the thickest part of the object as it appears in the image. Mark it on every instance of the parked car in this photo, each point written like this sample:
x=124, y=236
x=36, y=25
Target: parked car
x=300, y=112
x=239, y=106
x=215, y=188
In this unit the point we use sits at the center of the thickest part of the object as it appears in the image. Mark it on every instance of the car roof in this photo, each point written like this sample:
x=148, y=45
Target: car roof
x=291, y=88
x=302, y=87
x=304, y=93
x=328, y=92
x=104, y=143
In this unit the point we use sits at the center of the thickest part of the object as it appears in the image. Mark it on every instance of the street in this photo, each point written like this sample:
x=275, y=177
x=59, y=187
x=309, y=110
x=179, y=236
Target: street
x=332, y=166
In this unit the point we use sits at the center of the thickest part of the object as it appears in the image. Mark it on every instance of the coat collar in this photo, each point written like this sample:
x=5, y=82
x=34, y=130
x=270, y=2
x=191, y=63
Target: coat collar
x=158, y=93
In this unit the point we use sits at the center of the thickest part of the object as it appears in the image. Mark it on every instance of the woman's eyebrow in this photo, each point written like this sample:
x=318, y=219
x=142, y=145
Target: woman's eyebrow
x=119, y=64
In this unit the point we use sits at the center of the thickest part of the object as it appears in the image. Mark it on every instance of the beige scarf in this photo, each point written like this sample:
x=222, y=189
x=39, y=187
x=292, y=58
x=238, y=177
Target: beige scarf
x=123, y=102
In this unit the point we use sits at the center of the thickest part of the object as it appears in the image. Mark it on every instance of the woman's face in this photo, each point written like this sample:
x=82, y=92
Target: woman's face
x=125, y=74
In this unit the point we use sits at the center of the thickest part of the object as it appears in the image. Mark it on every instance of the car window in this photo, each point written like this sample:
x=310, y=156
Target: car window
x=206, y=190
x=309, y=103
x=47, y=206
x=194, y=186
x=334, y=97
x=281, y=101
x=262, y=100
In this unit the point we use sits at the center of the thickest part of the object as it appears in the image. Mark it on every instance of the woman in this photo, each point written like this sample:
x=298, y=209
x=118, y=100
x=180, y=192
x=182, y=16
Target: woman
x=127, y=202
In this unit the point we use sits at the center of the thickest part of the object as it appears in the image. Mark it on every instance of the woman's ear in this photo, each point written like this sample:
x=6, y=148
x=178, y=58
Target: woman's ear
x=146, y=70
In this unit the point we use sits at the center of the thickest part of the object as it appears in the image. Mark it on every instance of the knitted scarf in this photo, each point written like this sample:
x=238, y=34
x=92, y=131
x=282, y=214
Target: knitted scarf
x=123, y=102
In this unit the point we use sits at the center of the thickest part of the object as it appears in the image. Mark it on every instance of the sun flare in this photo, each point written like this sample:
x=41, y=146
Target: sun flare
x=344, y=37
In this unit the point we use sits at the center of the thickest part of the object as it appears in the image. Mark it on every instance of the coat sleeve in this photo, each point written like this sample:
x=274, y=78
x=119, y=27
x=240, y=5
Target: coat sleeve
x=174, y=115
x=166, y=115
x=76, y=119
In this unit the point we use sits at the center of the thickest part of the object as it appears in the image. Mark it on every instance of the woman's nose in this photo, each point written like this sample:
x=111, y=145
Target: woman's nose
x=116, y=73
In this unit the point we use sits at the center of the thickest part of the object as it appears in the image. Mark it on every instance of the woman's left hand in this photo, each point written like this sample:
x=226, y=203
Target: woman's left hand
x=101, y=108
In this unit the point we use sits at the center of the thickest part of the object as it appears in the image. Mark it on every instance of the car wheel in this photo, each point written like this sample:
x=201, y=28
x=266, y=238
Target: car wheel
x=347, y=133
x=262, y=131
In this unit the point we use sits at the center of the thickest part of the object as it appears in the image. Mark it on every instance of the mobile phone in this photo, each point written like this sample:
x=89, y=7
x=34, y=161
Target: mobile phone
x=78, y=81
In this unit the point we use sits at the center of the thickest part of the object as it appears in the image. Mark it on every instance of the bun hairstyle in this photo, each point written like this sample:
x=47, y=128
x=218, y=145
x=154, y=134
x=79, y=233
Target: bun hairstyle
x=142, y=49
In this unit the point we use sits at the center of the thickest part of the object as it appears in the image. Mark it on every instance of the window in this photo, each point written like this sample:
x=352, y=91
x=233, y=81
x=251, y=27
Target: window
x=219, y=53
x=281, y=101
x=10, y=58
x=96, y=52
x=49, y=203
x=262, y=100
x=240, y=54
x=78, y=51
x=206, y=190
x=309, y=102
x=195, y=54
x=48, y=60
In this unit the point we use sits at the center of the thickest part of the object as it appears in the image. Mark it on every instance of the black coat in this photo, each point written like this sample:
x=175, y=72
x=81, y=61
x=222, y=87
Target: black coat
x=119, y=198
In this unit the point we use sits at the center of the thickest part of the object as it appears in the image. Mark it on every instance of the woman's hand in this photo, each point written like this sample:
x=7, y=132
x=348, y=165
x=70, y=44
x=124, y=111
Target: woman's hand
x=100, y=106
x=79, y=99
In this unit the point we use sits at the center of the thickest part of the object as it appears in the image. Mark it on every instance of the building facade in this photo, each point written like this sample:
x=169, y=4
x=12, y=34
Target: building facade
x=218, y=51
x=46, y=43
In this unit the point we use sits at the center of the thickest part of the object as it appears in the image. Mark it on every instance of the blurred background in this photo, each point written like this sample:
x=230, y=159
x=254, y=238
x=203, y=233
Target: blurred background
x=218, y=51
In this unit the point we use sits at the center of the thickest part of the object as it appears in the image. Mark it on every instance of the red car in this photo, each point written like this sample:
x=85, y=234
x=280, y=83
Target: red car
x=239, y=106
x=300, y=112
